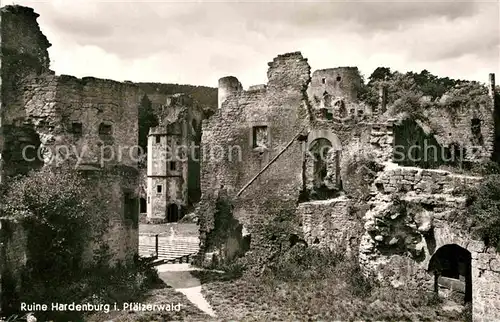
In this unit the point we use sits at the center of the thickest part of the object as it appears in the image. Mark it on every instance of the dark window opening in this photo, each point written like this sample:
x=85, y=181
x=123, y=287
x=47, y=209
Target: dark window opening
x=142, y=206
x=105, y=129
x=172, y=213
x=260, y=137
x=149, y=199
x=158, y=139
x=172, y=165
x=131, y=210
x=159, y=188
x=77, y=128
x=339, y=78
x=475, y=127
x=323, y=80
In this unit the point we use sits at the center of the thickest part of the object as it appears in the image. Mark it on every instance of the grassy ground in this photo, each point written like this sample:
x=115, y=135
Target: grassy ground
x=163, y=295
x=180, y=230
x=312, y=292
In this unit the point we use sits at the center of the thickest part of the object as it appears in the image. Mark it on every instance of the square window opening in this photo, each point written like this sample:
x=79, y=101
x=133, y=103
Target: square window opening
x=105, y=129
x=77, y=128
x=260, y=137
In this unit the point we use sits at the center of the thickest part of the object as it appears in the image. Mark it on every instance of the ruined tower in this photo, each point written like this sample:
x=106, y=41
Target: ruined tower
x=170, y=152
x=227, y=86
x=335, y=90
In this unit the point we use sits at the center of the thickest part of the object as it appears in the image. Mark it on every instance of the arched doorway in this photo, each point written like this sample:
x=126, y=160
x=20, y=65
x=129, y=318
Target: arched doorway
x=451, y=266
x=322, y=165
x=172, y=213
x=319, y=150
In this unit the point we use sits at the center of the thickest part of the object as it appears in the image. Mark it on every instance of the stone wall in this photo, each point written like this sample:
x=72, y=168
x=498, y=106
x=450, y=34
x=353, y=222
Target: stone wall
x=330, y=224
x=13, y=259
x=118, y=187
x=412, y=215
x=282, y=108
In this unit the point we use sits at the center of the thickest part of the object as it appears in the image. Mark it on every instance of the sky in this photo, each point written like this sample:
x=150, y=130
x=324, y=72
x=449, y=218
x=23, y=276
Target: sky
x=199, y=42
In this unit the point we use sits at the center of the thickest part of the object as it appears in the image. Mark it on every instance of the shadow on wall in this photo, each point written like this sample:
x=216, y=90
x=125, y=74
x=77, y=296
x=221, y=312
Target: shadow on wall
x=414, y=147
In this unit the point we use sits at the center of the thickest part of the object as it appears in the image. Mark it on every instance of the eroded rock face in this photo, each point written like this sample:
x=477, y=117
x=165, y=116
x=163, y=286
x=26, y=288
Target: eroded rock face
x=409, y=205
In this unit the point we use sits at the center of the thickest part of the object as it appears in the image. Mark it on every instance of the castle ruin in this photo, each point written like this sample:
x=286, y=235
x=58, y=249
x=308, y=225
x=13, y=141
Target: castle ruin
x=314, y=164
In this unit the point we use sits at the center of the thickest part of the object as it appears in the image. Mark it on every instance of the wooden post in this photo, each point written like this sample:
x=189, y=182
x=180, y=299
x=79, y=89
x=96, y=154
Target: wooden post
x=156, y=245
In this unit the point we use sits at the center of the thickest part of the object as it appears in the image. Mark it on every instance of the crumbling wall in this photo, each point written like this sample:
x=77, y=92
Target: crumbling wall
x=412, y=214
x=24, y=54
x=330, y=224
x=282, y=108
x=13, y=260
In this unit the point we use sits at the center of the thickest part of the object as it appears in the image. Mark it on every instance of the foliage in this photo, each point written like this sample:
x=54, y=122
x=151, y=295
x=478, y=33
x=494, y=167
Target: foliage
x=483, y=213
x=206, y=96
x=147, y=120
x=323, y=286
x=406, y=90
x=62, y=213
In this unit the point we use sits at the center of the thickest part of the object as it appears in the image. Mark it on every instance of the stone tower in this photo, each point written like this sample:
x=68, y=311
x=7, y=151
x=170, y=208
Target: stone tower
x=170, y=151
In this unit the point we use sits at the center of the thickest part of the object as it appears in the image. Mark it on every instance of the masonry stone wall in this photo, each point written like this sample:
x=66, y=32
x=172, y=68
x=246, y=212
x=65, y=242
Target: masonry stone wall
x=13, y=258
x=330, y=224
x=399, y=242
x=282, y=109
x=457, y=128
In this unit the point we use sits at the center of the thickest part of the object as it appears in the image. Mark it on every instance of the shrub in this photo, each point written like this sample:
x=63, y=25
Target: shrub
x=483, y=211
x=62, y=213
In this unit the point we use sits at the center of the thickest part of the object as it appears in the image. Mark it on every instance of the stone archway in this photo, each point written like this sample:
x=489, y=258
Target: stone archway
x=322, y=165
x=451, y=266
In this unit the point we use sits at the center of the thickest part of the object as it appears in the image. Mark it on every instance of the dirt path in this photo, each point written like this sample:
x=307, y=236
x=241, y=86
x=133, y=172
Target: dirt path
x=179, y=277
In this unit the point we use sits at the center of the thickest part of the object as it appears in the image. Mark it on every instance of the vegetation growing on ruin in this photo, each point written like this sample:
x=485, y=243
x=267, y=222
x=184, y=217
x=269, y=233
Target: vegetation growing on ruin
x=61, y=213
x=310, y=284
x=147, y=120
x=206, y=96
x=413, y=93
x=483, y=213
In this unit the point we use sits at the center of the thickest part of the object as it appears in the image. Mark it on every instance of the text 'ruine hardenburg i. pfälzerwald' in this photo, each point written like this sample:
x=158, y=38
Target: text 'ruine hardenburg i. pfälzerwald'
x=106, y=308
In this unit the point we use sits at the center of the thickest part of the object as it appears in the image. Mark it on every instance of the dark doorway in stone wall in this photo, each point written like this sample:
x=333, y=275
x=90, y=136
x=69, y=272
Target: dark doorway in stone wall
x=324, y=180
x=475, y=128
x=143, y=206
x=173, y=213
x=451, y=266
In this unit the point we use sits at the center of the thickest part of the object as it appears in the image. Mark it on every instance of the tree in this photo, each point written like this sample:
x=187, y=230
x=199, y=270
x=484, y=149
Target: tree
x=379, y=74
x=147, y=120
x=60, y=213
x=483, y=211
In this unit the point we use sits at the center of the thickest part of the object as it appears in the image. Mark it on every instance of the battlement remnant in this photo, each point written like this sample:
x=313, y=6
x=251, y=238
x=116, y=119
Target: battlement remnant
x=228, y=85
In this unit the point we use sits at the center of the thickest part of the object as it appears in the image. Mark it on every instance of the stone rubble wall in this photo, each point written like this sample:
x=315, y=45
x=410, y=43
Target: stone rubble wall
x=397, y=246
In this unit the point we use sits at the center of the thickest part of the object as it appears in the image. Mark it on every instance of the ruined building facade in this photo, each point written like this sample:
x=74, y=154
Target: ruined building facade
x=173, y=164
x=89, y=124
x=360, y=197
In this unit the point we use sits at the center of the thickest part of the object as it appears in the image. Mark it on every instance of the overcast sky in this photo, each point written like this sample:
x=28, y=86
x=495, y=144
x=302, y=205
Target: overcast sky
x=199, y=42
